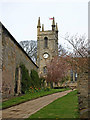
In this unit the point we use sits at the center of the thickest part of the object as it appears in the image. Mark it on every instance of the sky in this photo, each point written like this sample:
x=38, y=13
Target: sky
x=20, y=17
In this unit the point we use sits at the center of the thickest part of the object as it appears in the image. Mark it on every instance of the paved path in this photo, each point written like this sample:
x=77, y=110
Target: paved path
x=24, y=110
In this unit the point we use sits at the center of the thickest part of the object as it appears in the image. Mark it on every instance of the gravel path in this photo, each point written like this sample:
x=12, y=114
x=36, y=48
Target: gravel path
x=26, y=109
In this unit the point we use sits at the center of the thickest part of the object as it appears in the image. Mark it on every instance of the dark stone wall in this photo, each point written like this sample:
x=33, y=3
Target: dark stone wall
x=13, y=56
x=0, y=60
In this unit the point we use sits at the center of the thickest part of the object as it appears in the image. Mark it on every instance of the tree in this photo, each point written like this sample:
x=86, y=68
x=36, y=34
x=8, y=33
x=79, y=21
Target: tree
x=58, y=68
x=80, y=52
x=26, y=80
x=36, y=81
x=31, y=48
x=61, y=50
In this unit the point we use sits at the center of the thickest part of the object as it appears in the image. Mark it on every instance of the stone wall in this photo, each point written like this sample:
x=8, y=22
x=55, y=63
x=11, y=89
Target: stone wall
x=0, y=69
x=83, y=94
x=13, y=56
x=0, y=58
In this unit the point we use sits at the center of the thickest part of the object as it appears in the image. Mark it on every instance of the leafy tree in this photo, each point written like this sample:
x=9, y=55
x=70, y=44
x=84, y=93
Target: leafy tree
x=26, y=80
x=35, y=79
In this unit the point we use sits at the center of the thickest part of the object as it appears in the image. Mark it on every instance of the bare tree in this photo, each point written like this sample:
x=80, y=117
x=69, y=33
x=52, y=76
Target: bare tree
x=31, y=48
x=79, y=44
x=61, y=50
x=80, y=51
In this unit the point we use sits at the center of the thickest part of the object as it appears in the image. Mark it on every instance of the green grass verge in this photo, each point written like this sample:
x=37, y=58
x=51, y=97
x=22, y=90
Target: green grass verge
x=27, y=97
x=64, y=107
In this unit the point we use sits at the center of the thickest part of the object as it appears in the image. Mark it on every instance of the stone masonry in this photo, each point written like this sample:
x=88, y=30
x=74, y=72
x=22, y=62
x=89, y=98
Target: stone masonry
x=12, y=56
x=83, y=93
x=47, y=46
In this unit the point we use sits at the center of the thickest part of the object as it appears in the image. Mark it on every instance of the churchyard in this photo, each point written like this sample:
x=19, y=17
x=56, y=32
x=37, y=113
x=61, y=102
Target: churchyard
x=47, y=82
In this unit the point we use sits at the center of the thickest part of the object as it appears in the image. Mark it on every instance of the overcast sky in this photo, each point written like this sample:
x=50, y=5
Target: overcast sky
x=20, y=17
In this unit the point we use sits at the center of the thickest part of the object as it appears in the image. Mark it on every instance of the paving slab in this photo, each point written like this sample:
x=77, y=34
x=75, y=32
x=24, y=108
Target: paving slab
x=24, y=110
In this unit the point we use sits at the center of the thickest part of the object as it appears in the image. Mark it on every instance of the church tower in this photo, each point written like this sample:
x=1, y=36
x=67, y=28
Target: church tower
x=47, y=46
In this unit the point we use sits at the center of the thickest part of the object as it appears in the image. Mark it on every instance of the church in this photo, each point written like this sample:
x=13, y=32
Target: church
x=47, y=46
x=13, y=55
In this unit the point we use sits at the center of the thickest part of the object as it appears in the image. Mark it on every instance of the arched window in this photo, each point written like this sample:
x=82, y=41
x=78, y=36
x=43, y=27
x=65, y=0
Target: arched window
x=45, y=42
x=45, y=70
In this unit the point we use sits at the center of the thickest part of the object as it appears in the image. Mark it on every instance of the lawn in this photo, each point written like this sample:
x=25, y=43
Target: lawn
x=28, y=96
x=64, y=107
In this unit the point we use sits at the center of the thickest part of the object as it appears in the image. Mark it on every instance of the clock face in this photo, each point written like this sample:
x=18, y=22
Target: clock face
x=45, y=55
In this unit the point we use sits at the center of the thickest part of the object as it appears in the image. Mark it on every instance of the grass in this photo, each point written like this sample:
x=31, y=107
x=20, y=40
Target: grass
x=64, y=107
x=27, y=97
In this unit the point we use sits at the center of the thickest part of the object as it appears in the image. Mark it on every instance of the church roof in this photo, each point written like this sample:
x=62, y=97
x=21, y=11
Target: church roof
x=12, y=38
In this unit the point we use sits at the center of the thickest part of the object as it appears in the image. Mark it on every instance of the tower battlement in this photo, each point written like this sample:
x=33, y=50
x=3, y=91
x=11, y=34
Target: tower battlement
x=54, y=27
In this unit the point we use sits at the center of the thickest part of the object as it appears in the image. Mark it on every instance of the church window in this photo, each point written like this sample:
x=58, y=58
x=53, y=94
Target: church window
x=44, y=69
x=45, y=42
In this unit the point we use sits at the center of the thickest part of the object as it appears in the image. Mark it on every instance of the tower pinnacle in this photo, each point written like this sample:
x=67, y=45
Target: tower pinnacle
x=56, y=27
x=53, y=24
x=38, y=26
x=39, y=23
x=42, y=27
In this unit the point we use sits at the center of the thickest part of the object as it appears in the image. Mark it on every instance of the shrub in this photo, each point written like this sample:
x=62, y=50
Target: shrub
x=35, y=80
x=47, y=89
x=26, y=80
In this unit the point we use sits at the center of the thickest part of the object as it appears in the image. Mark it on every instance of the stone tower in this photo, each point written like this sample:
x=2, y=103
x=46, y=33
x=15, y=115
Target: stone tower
x=47, y=46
